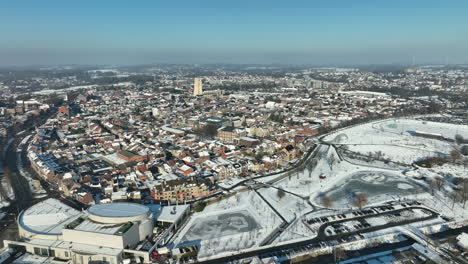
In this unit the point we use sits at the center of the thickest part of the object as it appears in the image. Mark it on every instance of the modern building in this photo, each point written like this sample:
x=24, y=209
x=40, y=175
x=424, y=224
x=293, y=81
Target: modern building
x=105, y=233
x=197, y=87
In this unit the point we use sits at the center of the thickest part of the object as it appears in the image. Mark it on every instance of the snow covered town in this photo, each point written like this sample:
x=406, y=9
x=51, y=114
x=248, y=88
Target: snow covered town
x=182, y=165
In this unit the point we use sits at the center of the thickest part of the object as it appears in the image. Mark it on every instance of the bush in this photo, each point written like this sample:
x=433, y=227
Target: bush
x=464, y=150
x=280, y=194
x=431, y=161
x=459, y=180
x=199, y=207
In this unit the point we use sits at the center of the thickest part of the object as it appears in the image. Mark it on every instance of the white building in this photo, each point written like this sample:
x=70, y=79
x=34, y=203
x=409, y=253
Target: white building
x=105, y=233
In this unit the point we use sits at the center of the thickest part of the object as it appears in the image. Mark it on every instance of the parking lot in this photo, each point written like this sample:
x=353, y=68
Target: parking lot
x=358, y=221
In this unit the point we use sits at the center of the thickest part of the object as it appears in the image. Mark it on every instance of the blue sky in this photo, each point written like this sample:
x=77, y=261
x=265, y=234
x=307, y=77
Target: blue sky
x=255, y=31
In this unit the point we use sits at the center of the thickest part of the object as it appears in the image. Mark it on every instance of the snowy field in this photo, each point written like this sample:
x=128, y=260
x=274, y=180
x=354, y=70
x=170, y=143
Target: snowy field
x=289, y=206
x=380, y=182
x=307, y=182
x=388, y=131
x=235, y=223
x=393, y=139
x=230, y=223
x=377, y=185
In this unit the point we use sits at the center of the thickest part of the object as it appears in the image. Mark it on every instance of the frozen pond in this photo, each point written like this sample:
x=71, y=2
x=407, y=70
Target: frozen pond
x=377, y=185
x=220, y=225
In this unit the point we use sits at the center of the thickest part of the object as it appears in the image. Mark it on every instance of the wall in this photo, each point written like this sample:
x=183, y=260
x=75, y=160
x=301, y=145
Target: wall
x=91, y=238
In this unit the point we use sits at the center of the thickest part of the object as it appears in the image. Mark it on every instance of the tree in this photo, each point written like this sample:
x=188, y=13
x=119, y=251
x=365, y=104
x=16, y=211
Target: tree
x=331, y=161
x=280, y=194
x=339, y=254
x=207, y=131
x=439, y=182
x=454, y=196
x=199, y=207
x=327, y=201
x=432, y=185
x=464, y=193
x=360, y=200
x=459, y=139
x=455, y=155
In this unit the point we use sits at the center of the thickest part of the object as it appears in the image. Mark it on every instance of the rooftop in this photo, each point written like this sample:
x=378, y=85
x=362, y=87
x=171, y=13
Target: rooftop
x=47, y=217
x=170, y=213
x=116, y=210
x=91, y=226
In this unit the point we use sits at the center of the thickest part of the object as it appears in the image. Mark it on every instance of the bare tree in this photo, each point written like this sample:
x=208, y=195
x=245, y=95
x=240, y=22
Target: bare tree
x=439, y=182
x=379, y=154
x=432, y=185
x=331, y=161
x=455, y=155
x=280, y=194
x=360, y=200
x=455, y=197
x=464, y=193
x=327, y=201
x=339, y=254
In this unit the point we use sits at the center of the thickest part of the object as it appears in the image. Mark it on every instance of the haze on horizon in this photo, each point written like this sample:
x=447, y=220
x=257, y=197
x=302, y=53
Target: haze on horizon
x=286, y=32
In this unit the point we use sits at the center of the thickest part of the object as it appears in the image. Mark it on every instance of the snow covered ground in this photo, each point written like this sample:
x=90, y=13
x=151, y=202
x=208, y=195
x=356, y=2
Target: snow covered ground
x=288, y=205
x=392, y=139
x=244, y=221
x=235, y=223
x=227, y=183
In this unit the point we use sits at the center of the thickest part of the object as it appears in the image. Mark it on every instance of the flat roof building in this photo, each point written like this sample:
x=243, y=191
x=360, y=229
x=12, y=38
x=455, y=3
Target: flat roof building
x=107, y=233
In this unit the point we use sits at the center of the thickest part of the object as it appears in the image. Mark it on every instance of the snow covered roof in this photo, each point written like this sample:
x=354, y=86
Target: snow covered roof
x=118, y=210
x=170, y=213
x=463, y=240
x=47, y=217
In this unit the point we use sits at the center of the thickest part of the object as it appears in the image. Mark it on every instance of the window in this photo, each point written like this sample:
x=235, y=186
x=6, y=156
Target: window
x=37, y=251
x=104, y=259
x=44, y=252
x=66, y=254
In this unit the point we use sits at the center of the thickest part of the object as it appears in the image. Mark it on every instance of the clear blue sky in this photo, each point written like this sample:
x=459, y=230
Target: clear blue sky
x=253, y=31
